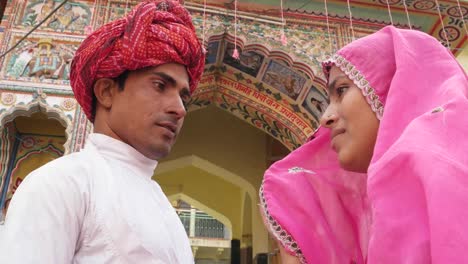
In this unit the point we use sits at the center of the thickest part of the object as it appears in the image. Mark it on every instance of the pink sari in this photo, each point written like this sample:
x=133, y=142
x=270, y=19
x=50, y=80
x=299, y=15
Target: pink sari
x=412, y=205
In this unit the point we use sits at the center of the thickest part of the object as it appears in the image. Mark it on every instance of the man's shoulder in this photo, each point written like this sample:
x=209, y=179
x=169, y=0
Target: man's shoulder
x=76, y=160
x=65, y=175
x=68, y=166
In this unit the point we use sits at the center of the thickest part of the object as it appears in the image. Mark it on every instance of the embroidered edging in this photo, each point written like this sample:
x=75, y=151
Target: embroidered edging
x=358, y=78
x=279, y=232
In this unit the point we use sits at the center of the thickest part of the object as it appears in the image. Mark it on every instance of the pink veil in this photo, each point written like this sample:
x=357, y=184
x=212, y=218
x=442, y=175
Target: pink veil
x=411, y=205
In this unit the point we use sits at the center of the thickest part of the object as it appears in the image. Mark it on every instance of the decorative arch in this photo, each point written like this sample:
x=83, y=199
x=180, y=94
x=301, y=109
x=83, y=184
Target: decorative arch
x=273, y=53
x=259, y=234
x=35, y=106
x=271, y=97
x=220, y=217
x=209, y=167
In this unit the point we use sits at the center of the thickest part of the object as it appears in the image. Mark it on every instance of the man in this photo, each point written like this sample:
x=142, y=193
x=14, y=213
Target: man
x=132, y=78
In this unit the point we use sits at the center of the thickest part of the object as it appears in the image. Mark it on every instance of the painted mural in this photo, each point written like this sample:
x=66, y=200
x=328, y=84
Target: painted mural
x=71, y=17
x=248, y=62
x=212, y=52
x=6, y=144
x=315, y=102
x=284, y=79
x=41, y=58
x=33, y=151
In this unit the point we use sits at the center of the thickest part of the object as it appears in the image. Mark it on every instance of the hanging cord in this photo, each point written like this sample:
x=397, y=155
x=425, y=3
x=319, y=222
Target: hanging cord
x=351, y=20
x=33, y=29
x=328, y=29
x=235, y=53
x=284, y=40
x=443, y=26
x=126, y=7
x=389, y=12
x=462, y=17
x=89, y=28
x=407, y=14
x=204, y=27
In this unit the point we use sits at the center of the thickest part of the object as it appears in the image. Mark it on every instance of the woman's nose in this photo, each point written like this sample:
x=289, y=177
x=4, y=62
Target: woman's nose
x=329, y=117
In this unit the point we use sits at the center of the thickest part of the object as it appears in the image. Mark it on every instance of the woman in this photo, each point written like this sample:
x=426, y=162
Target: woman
x=385, y=179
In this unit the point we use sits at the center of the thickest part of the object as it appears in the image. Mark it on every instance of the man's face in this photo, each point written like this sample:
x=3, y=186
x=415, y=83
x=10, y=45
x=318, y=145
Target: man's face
x=148, y=114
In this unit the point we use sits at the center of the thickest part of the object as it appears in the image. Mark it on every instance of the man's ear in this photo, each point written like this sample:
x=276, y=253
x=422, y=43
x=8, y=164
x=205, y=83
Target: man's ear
x=104, y=91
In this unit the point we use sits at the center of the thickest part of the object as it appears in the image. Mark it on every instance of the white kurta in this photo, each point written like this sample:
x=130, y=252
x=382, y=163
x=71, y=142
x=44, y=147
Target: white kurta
x=96, y=206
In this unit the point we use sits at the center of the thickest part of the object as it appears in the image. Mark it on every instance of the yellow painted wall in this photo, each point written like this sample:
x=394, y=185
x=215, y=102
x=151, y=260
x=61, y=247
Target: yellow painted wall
x=208, y=189
x=226, y=141
x=37, y=133
x=246, y=240
x=223, y=139
x=39, y=123
x=463, y=58
x=28, y=165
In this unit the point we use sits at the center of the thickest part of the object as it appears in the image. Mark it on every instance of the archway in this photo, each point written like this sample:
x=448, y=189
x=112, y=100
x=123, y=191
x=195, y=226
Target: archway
x=29, y=140
x=267, y=88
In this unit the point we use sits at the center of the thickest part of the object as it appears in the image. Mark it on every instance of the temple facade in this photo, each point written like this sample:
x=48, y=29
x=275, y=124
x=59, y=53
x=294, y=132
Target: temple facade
x=246, y=113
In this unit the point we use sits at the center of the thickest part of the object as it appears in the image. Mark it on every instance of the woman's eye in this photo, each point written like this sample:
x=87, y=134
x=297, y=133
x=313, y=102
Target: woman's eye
x=341, y=90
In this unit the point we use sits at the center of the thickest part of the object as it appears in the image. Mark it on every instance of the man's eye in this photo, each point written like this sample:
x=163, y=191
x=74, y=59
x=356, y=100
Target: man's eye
x=160, y=85
x=186, y=102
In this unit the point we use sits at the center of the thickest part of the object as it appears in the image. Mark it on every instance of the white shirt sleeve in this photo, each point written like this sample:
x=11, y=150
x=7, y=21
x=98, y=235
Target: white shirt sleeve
x=44, y=219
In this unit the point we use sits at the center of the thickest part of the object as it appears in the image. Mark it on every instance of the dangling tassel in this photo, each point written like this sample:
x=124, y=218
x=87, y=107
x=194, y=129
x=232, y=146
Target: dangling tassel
x=284, y=40
x=235, y=54
x=88, y=30
x=204, y=28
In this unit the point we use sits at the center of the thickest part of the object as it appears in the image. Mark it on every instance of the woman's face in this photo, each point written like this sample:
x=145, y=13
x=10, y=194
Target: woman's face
x=352, y=122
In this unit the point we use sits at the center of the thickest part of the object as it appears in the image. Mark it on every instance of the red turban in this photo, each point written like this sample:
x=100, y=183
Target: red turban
x=154, y=33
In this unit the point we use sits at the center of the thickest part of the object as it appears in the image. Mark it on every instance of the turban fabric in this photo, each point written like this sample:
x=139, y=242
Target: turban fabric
x=154, y=33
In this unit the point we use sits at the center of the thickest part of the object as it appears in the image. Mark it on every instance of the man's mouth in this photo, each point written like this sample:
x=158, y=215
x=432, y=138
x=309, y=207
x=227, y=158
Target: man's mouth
x=169, y=126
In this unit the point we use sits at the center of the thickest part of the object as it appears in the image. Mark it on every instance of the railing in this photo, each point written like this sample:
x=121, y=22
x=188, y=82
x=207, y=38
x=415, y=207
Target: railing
x=201, y=225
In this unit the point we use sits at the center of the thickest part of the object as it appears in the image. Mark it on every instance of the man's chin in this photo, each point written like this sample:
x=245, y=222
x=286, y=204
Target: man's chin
x=160, y=151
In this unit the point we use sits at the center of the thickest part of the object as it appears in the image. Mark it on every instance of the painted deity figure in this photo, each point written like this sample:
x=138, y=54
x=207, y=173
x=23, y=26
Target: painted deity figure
x=42, y=60
x=64, y=17
x=21, y=62
x=46, y=60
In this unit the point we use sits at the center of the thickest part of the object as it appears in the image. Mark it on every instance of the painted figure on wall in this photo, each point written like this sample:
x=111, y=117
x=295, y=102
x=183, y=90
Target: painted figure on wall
x=71, y=17
x=21, y=61
x=63, y=18
x=248, y=62
x=315, y=102
x=42, y=60
x=212, y=52
x=45, y=62
x=284, y=79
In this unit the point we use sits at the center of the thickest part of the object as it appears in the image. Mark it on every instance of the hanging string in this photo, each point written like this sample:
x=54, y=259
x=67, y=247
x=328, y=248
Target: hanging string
x=89, y=28
x=351, y=20
x=235, y=53
x=443, y=26
x=204, y=27
x=126, y=7
x=407, y=14
x=284, y=40
x=34, y=28
x=328, y=29
x=389, y=12
x=462, y=17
